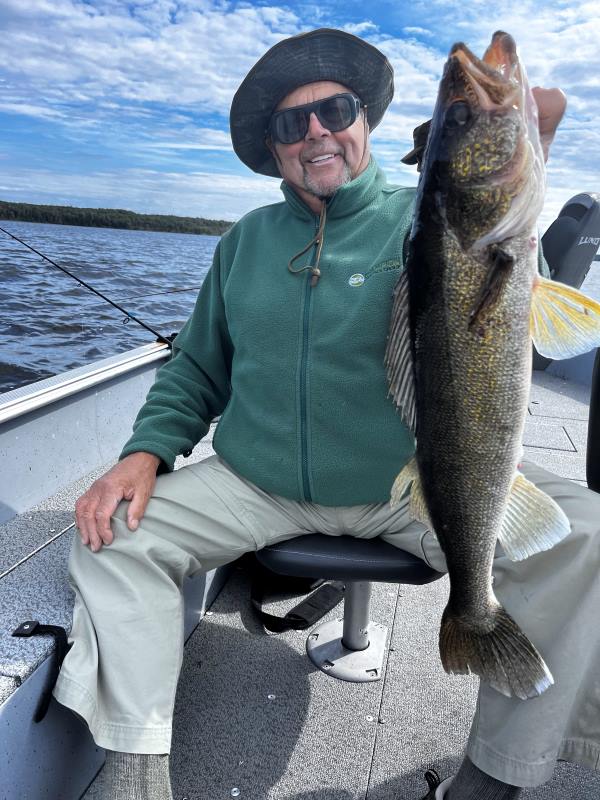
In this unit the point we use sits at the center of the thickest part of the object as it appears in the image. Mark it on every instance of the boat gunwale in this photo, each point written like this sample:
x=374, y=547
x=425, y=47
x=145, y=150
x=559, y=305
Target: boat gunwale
x=42, y=393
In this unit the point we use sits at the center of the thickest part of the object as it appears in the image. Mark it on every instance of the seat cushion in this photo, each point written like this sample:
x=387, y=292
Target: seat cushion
x=345, y=558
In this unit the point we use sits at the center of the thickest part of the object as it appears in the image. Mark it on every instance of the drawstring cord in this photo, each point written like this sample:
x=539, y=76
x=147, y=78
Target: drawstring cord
x=319, y=235
x=316, y=240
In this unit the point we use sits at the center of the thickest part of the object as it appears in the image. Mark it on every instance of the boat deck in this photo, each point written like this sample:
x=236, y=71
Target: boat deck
x=319, y=738
x=255, y=719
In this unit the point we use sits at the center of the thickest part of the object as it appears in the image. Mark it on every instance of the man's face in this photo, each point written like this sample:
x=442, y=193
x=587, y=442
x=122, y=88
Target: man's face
x=348, y=149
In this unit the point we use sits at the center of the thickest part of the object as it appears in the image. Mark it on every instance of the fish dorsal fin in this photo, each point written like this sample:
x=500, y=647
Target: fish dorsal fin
x=499, y=270
x=533, y=522
x=564, y=322
x=409, y=478
x=398, y=355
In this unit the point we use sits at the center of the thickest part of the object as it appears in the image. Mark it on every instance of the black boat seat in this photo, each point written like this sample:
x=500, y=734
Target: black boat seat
x=351, y=648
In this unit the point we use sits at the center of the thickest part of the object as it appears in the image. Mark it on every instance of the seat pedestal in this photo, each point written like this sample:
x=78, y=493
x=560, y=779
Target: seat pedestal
x=351, y=648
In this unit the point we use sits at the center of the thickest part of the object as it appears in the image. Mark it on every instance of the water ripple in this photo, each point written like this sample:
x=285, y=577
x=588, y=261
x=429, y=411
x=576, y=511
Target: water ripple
x=50, y=323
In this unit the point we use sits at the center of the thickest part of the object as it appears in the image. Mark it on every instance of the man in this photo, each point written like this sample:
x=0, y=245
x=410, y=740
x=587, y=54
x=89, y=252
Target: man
x=286, y=344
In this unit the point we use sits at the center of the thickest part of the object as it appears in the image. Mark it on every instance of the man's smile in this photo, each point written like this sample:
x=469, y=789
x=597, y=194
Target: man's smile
x=322, y=159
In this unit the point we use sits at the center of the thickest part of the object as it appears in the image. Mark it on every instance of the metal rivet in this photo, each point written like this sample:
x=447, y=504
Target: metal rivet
x=209, y=613
x=271, y=696
x=372, y=673
x=235, y=792
x=52, y=530
x=26, y=627
x=369, y=718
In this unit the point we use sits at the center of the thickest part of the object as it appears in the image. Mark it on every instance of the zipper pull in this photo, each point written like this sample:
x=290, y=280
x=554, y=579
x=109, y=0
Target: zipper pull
x=316, y=272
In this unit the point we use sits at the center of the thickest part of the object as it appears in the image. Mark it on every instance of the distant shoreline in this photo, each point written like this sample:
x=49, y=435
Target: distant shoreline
x=111, y=218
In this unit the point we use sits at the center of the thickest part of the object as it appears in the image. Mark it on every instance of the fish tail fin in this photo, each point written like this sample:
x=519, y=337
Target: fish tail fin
x=502, y=655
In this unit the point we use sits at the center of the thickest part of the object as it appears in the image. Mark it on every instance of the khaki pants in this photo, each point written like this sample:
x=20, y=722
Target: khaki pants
x=121, y=673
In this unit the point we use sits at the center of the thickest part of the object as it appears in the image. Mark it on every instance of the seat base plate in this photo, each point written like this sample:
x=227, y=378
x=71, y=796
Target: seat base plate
x=325, y=649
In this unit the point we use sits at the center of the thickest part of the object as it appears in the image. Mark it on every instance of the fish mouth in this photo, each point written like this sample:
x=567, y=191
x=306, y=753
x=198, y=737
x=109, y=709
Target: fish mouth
x=498, y=144
x=501, y=54
x=494, y=81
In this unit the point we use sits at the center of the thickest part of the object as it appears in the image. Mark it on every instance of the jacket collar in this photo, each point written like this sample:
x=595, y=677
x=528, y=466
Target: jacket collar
x=348, y=199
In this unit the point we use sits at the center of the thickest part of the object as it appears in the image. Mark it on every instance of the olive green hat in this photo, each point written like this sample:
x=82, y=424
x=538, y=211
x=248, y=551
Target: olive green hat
x=325, y=54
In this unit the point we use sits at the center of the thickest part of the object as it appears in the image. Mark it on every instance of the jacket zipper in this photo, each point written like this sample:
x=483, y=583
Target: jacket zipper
x=303, y=393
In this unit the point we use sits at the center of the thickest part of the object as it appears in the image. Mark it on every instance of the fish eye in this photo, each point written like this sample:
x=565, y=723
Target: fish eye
x=458, y=114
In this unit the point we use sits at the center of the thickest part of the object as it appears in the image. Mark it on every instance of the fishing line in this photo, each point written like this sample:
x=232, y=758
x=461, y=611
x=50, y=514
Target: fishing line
x=128, y=316
x=159, y=294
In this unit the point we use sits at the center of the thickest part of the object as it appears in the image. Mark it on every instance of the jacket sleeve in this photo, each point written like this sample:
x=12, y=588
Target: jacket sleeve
x=194, y=386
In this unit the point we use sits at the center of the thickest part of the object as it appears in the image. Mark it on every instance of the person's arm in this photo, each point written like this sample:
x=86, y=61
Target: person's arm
x=190, y=390
x=193, y=387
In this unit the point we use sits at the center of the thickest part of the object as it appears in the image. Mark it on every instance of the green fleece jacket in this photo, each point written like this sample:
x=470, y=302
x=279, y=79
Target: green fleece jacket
x=295, y=371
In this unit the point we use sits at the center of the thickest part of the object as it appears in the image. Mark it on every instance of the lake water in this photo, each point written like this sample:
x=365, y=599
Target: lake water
x=50, y=323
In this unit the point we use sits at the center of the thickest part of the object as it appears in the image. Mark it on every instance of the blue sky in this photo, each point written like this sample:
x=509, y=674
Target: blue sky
x=113, y=104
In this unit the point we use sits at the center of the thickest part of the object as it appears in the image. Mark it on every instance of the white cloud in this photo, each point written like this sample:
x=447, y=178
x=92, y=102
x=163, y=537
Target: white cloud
x=185, y=146
x=28, y=110
x=410, y=30
x=192, y=138
x=69, y=52
x=360, y=28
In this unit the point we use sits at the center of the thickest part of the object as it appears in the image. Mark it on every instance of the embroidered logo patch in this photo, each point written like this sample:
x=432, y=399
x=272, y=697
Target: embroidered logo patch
x=391, y=265
x=357, y=279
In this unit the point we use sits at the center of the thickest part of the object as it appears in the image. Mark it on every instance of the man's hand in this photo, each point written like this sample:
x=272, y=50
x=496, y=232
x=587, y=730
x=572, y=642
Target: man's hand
x=551, y=105
x=133, y=479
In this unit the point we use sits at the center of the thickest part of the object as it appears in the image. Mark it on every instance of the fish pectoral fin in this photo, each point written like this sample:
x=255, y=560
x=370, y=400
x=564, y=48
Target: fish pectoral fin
x=398, y=357
x=404, y=480
x=409, y=478
x=564, y=322
x=533, y=521
x=499, y=270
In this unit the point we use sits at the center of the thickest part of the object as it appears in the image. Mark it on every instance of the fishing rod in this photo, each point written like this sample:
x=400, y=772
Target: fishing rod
x=128, y=316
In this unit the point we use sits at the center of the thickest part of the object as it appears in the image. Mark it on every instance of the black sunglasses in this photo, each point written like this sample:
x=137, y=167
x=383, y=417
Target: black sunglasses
x=334, y=113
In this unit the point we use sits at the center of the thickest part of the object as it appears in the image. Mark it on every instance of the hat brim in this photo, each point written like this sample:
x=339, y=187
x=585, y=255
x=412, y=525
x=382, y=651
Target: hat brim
x=325, y=54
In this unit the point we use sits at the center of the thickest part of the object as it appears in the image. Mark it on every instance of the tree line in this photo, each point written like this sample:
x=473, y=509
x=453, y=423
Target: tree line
x=111, y=218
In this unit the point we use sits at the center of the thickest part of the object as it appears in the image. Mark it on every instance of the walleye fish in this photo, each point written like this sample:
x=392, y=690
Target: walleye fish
x=458, y=354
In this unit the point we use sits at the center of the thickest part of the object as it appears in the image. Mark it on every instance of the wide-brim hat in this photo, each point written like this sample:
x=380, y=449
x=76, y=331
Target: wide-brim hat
x=325, y=54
